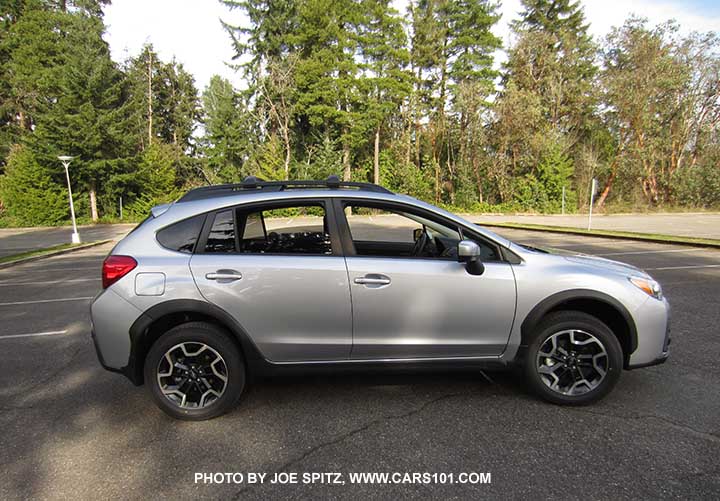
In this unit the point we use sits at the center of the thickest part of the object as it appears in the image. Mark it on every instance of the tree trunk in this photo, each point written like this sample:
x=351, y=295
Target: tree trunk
x=347, y=172
x=150, y=109
x=286, y=139
x=174, y=121
x=436, y=165
x=416, y=111
x=376, y=157
x=93, y=202
x=605, y=191
x=478, y=178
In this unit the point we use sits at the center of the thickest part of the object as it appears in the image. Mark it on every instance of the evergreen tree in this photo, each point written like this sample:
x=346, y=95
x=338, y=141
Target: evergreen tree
x=163, y=103
x=548, y=100
x=453, y=49
x=554, y=57
x=270, y=37
x=552, y=16
x=29, y=191
x=35, y=49
x=327, y=71
x=226, y=141
x=83, y=119
x=177, y=105
x=270, y=42
x=385, y=81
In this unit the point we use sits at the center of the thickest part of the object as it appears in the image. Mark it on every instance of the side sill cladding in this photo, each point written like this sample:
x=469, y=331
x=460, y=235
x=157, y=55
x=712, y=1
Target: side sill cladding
x=578, y=296
x=140, y=340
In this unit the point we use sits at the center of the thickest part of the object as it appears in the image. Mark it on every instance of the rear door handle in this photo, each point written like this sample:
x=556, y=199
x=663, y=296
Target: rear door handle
x=224, y=275
x=373, y=280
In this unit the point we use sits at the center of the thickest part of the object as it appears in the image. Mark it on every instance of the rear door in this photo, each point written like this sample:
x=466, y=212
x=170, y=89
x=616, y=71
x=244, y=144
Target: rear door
x=278, y=269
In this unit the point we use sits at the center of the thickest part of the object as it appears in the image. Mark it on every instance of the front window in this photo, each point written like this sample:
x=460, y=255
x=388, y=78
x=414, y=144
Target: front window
x=390, y=232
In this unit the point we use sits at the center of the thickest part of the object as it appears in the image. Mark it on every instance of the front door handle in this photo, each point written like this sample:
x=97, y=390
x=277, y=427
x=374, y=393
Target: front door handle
x=373, y=279
x=224, y=275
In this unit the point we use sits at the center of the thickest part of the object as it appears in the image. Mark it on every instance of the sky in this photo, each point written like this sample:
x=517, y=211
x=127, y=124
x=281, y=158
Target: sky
x=190, y=30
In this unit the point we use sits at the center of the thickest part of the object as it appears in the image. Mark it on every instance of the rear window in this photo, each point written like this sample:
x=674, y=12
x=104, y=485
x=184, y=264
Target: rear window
x=182, y=235
x=297, y=229
x=285, y=229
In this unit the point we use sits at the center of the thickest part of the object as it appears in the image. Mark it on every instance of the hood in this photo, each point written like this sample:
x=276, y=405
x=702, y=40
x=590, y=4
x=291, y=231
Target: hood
x=601, y=262
x=589, y=260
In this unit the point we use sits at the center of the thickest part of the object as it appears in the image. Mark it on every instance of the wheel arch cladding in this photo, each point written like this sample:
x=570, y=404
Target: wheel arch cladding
x=162, y=317
x=603, y=307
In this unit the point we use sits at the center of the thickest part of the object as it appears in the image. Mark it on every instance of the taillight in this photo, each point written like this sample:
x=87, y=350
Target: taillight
x=116, y=267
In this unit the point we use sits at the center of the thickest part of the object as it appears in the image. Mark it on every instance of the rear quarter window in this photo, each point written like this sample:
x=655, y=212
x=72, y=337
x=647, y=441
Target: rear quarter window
x=183, y=235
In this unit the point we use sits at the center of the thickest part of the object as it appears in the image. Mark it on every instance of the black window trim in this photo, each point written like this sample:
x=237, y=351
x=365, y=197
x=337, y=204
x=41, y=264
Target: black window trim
x=324, y=202
x=340, y=203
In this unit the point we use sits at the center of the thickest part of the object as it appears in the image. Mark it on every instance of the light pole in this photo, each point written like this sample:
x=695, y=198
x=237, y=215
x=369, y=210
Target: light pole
x=66, y=163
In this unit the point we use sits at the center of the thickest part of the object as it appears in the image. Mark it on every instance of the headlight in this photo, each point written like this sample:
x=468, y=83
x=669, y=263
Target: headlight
x=648, y=286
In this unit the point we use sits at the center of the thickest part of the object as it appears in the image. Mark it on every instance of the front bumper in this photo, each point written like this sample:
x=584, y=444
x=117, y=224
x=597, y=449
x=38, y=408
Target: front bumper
x=652, y=321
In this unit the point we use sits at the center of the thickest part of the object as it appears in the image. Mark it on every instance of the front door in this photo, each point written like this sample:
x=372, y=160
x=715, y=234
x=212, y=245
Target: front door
x=412, y=299
x=275, y=270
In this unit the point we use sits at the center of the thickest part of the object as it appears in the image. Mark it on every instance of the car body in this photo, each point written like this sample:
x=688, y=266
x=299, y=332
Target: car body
x=335, y=296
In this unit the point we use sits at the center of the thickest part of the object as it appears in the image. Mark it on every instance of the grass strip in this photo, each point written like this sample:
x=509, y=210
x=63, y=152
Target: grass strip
x=47, y=251
x=626, y=235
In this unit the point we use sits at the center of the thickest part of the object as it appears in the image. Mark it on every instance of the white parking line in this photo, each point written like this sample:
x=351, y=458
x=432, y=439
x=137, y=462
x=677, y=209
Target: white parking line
x=49, y=282
x=47, y=301
x=34, y=334
x=648, y=252
x=685, y=267
x=39, y=269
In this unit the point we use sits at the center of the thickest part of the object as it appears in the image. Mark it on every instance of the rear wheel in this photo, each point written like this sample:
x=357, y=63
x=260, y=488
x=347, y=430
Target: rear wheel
x=574, y=359
x=195, y=372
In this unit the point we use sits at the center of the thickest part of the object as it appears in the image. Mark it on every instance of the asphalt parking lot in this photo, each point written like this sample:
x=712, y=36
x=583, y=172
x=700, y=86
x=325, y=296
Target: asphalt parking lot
x=17, y=240
x=69, y=429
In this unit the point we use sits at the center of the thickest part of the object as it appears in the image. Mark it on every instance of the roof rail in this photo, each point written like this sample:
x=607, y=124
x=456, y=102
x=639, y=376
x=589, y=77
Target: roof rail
x=252, y=184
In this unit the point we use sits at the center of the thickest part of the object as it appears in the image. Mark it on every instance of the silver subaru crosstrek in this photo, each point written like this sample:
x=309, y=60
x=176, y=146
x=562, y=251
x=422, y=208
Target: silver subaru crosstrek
x=232, y=281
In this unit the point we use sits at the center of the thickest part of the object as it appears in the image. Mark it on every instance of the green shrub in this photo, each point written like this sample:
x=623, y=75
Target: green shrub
x=699, y=186
x=542, y=189
x=30, y=195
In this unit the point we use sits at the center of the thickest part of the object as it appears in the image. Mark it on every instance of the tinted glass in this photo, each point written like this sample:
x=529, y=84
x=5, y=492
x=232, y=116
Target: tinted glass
x=254, y=226
x=392, y=233
x=182, y=235
x=222, y=234
x=286, y=230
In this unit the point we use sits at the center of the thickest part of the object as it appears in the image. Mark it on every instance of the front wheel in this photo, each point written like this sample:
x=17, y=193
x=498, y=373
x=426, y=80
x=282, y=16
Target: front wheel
x=195, y=372
x=574, y=359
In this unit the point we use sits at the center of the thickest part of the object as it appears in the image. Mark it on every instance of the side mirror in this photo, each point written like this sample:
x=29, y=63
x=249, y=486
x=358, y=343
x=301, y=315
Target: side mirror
x=469, y=253
x=417, y=233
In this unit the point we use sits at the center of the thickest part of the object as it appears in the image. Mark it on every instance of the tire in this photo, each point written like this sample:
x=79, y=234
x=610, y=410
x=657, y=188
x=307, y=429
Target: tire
x=202, y=354
x=558, y=377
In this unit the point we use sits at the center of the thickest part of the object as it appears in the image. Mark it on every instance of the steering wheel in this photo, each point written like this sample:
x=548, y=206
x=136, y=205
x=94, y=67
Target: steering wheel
x=420, y=244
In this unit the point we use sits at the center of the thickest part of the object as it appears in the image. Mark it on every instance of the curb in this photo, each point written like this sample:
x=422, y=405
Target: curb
x=626, y=235
x=53, y=253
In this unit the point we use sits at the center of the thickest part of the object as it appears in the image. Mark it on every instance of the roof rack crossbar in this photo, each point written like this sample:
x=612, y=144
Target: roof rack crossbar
x=252, y=184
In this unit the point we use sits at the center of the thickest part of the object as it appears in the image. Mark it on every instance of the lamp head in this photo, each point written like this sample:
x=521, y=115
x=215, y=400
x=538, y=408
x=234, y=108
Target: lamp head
x=65, y=158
